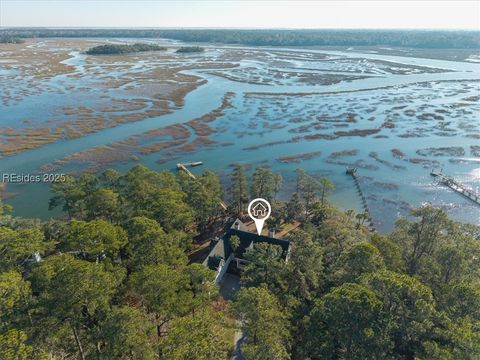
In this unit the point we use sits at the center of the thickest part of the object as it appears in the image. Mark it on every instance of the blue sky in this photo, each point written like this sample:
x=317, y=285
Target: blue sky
x=243, y=14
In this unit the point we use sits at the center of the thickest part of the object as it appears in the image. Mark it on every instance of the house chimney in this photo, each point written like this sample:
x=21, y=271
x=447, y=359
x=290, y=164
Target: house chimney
x=237, y=225
x=271, y=233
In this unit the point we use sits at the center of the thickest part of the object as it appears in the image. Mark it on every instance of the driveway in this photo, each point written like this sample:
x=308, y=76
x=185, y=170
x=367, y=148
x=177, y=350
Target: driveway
x=229, y=286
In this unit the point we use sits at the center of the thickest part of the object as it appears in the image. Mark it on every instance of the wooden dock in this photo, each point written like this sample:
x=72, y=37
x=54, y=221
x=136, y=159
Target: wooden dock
x=183, y=167
x=457, y=186
x=353, y=173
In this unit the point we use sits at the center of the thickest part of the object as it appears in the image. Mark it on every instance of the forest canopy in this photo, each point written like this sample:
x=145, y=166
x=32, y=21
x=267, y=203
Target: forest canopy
x=435, y=39
x=113, y=279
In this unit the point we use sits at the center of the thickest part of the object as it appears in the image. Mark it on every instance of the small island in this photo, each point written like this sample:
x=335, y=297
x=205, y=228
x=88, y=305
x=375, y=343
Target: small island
x=190, y=49
x=11, y=40
x=115, y=49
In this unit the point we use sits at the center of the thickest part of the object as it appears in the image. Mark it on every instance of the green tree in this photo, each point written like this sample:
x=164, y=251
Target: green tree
x=201, y=285
x=238, y=189
x=164, y=292
x=265, y=183
x=463, y=301
x=362, y=217
x=326, y=187
x=266, y=267
x=277, y=216
x=71, y=193
x=198, y=337
x=308, y=187
x=264, y=323
x=318, y=213
x=349, y=214
x=15, y=296
x=149, y=245
x=127, y=334
x=295, y=210
x=94, y=239
x=103, y=204
x=454, y=262
x=18, y=247
x=74, y=292
x=204, y=194
x=13, y=346
x=67, y=195
x=306, y=266
x=5, y=208
x=438, y=251
x=346, y=323
x=357, y=260
x=110, y=178
x=390, y=251
x=452, y=265
x=419, y=240
x=234, y=242
x=408, y=310
x=336, y=235
x=157, y=196
x=457, y=336
x=277, y=184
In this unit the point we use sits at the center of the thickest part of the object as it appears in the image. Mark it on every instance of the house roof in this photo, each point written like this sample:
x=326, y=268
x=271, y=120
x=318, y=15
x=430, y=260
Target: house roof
x=216, y=253
x=223, y=249
x=239, y=225
x=247, y=238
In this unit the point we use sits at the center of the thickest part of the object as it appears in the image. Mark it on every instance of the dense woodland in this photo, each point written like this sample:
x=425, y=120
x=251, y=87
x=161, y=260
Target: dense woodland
x=435, y=39
x=114, y=49
x=113, y=279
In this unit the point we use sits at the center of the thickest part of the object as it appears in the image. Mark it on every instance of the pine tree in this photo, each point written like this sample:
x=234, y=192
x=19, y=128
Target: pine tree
x=238, y=189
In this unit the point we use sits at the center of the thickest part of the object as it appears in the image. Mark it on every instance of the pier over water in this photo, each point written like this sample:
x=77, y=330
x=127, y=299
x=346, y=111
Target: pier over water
x=457, y=186
x=353, y=173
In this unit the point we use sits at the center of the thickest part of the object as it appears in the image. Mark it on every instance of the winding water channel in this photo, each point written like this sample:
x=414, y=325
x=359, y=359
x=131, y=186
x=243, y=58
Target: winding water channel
x=412, y=186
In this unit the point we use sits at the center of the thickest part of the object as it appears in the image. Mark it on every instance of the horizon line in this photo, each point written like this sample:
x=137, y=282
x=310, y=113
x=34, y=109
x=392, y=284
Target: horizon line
x=227, y=28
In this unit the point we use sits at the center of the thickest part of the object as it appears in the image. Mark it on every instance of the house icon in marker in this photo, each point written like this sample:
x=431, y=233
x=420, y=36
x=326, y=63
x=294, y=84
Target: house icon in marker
x=259, y=210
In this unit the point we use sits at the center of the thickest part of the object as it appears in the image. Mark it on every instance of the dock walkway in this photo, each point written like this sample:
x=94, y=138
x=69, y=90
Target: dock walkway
x=353, y=173
x=457, y=186
x=183, y=167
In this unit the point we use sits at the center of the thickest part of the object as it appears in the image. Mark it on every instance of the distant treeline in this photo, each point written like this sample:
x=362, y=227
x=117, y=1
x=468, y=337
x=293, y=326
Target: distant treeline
x=10, y=40
x=190, y=49
x=404, y=38
x=112, y=49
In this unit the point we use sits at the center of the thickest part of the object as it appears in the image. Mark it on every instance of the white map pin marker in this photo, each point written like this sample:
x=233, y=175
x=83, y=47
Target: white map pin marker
x=259, y=210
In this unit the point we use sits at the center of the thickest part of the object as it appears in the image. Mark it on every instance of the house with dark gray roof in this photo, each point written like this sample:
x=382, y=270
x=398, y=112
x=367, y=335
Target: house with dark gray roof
x=222, y=254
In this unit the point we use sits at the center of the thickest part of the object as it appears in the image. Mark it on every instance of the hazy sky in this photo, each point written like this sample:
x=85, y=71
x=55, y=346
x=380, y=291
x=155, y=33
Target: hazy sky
x=457, y=14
